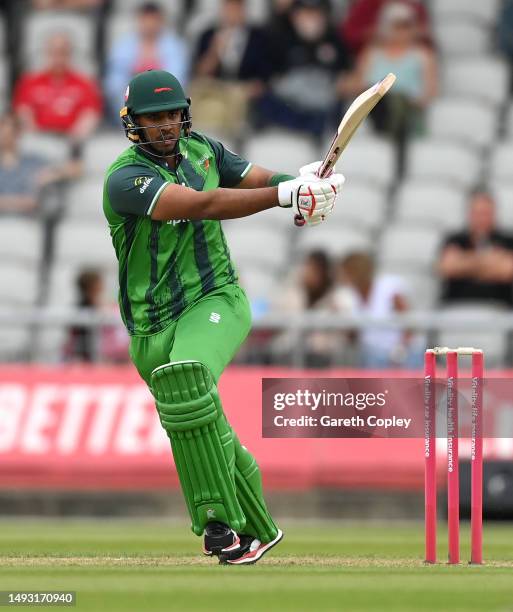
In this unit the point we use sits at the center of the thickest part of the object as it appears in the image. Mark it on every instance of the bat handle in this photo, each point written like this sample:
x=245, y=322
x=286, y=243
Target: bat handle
x=299, y=221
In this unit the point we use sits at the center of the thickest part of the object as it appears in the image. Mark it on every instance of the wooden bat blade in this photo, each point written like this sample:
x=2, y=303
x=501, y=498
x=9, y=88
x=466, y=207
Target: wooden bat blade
x=352, y=120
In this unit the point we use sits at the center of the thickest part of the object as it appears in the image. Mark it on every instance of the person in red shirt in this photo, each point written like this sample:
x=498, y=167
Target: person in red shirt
x=58, y=99
x=358, y=27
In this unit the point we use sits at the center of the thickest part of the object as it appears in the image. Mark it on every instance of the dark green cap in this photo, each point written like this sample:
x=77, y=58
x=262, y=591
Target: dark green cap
x=153, y=91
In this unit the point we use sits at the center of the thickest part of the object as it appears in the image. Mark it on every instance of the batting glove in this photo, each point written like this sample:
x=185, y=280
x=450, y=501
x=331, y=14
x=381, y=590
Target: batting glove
x=312, y=199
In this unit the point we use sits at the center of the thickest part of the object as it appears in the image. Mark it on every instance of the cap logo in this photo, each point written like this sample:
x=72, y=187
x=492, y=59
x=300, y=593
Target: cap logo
x=161, y=89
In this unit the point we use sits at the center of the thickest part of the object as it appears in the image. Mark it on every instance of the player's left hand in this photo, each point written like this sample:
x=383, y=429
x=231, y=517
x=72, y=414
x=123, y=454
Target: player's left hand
x=311, y=170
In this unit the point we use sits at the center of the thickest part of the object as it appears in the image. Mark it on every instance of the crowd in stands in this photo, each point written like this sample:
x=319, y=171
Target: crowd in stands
x=296, y=71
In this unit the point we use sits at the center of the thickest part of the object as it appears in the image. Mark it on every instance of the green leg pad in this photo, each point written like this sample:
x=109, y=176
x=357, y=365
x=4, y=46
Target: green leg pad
x=250, y=495
x=202, y=442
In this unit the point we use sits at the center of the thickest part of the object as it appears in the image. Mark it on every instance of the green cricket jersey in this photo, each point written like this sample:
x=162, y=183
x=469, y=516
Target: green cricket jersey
x=166, y=265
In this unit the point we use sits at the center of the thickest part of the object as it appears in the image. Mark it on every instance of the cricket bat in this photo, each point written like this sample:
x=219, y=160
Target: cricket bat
x=351, y=121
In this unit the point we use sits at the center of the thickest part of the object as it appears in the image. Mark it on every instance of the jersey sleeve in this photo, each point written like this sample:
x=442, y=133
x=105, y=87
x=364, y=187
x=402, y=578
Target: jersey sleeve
x=135, y=189
x=232, y=168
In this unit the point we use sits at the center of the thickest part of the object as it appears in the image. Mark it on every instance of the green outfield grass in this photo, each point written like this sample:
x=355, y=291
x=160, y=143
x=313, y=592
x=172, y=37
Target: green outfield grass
x=149, y=566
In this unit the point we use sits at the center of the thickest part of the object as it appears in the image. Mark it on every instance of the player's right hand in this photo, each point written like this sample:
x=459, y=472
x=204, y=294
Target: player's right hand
x=312, y=199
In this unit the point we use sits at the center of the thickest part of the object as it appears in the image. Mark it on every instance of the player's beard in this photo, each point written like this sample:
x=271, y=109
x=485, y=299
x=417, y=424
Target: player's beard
x=164, y=146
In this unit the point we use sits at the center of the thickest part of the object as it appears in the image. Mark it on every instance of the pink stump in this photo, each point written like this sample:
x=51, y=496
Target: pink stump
x=476, y=517
x=453, y=480
x=430, y=455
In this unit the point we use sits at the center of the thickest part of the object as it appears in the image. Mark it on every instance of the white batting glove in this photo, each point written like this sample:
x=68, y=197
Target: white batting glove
x=312, y=199
x=312, y=169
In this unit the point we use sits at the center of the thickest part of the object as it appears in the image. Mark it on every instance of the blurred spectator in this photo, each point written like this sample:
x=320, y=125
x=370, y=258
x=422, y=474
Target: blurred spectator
x=82, y=344
x=396, y=48
x=152, y=46
x=307, y=68
x=280, y=15
x=314, y=292
x=23, y=176
x=108, y=343
x=477, y=263
x=233, y=49
x=59, y=99
x=377, y=296
x=231, y=64
x=358, y=28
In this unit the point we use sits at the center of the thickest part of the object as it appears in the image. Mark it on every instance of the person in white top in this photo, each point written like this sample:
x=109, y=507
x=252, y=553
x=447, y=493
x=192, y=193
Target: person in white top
x=378, y=296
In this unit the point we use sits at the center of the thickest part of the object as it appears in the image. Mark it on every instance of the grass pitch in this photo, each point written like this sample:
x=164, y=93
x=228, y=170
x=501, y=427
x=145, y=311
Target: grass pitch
x=150, y=566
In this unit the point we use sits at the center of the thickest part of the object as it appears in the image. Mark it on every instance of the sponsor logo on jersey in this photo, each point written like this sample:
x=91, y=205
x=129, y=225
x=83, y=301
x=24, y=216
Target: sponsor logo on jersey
x=142, y=182
x=215, y=317
x=204, y=163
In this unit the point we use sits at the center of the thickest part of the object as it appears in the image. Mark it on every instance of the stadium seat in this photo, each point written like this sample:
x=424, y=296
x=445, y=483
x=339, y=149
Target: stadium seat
x=20, y=284
x=101, y=151
x=84, y=244
x=84, y=200
x=118, y=25
x=485, y=11
x=281, y=151
x=409, y=247
x=62, y=291
x=39, y=25
x=422, y=288
x=265, y=248
x=15, y=343
x=427, y=203
x=369, y=159
x=53, y=148
x=21, y=241
x=61, y=295
x=486, y=78
x=433, y=159
x=509, y=122
x=465, y=120
x=336, y=242
x=501, y=163
x=259, y=284
x=479, y=335
x=466, y=37
x=503, y=193
x=360, y=206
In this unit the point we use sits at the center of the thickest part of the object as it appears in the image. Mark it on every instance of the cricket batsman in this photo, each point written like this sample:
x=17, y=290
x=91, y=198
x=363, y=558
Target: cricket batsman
x=164, y=198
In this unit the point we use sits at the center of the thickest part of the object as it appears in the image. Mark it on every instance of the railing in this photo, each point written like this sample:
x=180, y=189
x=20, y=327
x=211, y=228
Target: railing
x=428, y=322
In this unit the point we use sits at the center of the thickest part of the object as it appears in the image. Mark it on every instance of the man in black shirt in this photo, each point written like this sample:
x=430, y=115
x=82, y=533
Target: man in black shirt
x=477, y=263
x=308, y=60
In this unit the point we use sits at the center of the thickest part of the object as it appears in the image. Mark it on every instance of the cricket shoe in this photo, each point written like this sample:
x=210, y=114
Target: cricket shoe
x=219, y=539
x=250, y=550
